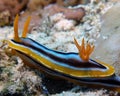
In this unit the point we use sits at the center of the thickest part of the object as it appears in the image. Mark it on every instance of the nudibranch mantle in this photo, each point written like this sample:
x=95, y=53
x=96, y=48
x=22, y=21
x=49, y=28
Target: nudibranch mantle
x=104, y=70
x=76, y=67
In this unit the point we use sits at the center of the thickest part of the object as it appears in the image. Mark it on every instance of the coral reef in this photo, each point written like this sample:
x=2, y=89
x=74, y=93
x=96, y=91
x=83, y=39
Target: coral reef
x=4, y=18
x=12, y=7
x=108, y=43
x=67, y=13
x=36, y=4
x=16, y=6
x=15, y=78
x=75, y=14
x=60, y=22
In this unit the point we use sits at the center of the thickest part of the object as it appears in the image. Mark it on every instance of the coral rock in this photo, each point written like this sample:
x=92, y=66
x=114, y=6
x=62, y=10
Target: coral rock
x=12, y=6
x=108, y=45
x=61, y=25
x=75, y=14
x=35, y=4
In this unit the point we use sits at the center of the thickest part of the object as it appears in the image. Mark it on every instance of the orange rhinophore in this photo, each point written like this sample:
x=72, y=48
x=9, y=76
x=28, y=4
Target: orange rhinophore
x=25, y=30
x=16, y=37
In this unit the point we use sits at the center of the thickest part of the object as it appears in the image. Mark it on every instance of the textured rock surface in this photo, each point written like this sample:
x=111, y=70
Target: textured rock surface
x=12, y=8
x=15, y=79
x=108, y=45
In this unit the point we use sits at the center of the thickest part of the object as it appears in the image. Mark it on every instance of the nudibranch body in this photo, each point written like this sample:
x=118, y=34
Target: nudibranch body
x=76, y=67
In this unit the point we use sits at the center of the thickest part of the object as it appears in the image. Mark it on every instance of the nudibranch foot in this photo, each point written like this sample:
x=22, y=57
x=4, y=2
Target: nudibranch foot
x=109, y=82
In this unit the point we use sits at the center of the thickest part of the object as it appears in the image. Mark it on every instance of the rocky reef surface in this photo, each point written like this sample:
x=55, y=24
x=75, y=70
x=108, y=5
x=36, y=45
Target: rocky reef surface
x=98, y=26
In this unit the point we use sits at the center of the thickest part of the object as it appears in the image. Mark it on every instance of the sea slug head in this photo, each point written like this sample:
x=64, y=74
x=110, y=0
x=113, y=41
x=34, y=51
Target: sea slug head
x=14, y=43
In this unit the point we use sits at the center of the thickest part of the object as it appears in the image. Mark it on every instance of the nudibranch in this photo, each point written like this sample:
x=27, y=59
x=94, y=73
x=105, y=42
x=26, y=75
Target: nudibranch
x=76, y=67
